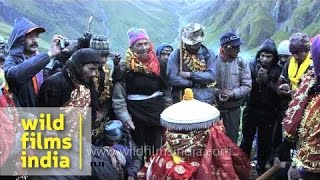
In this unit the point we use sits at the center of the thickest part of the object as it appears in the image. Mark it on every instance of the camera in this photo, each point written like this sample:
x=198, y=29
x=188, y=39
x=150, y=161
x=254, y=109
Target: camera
x=63, y=43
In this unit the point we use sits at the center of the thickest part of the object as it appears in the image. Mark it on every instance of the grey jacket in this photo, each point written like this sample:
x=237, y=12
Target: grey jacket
x=233, y=75
x=198, y=80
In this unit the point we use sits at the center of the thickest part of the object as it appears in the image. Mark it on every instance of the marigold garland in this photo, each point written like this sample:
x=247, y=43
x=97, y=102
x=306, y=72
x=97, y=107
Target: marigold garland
x=132, y=63
x=192, y=61
x=107, y=83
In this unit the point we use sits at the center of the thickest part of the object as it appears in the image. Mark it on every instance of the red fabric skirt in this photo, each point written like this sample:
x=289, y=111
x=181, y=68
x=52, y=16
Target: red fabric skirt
x=221, y=159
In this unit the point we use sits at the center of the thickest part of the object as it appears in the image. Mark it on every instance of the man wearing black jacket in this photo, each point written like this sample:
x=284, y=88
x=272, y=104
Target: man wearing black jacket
x=262, y=106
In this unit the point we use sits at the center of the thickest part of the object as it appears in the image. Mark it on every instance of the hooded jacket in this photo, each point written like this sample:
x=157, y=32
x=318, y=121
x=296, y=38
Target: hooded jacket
x=263, y=96
x=19, y=70
x=161, y=47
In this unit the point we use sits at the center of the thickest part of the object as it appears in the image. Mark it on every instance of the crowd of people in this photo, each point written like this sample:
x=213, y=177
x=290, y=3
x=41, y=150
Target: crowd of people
x=276, y=94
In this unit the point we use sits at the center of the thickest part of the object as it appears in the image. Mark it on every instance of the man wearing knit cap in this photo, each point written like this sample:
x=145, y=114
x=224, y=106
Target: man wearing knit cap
x=293, y=70
x=141, y=93
x=302, y=122
x=299, y=64
x=284, y=52
x=284, y=56
x=103, y=83
x=192, y=66
x=263, y=104
x=23, y=65
x=233, y=82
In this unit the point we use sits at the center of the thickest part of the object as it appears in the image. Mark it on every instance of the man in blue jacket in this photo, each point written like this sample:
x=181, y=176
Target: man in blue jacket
x=192, y=66
x=23, y=65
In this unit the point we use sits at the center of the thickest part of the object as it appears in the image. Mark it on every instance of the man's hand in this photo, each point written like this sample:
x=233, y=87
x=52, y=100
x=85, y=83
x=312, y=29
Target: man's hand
x=116, y=59
x=129, y=124
x=284, y=89
x=99, y=118
x=293, y=173
x=55, y=49
x=292, y=92
x=276, y=161
x=262, y=75
x=130, y=178
x=216, y=91
x=225, y=95
x=185, y=75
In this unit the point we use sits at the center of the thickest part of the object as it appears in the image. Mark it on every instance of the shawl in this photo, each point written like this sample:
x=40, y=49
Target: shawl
x=152, y=65
x=308, y=151
x=80, y=97
x=295, y=72
x=297, y=106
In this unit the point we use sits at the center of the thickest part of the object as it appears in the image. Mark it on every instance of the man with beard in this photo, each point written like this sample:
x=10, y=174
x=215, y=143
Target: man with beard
x=192, y=66
x=78, y=74
x=71, y=88
x=23, y=65
x=233, y=83
x=141, y=93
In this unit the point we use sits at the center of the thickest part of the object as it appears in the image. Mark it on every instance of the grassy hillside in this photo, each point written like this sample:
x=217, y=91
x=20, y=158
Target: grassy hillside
x=4, y=29
x=111, y=18
x=253, y=20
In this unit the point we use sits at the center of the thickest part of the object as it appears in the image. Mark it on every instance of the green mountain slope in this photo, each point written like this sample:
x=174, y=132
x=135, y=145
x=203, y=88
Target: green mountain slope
x=256, y=20
x=112, y=18
x=253, y=20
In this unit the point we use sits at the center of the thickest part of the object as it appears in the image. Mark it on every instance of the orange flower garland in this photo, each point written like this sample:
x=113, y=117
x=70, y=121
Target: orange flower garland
x=192, y=61
x=132, y=63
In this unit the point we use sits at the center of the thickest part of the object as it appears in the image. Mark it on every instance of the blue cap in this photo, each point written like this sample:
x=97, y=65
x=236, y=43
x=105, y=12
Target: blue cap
x=113, y=130
x=231, y=39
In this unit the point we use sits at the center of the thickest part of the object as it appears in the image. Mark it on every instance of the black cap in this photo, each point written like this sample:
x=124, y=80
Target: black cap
x=86, y=56
x=231, y=39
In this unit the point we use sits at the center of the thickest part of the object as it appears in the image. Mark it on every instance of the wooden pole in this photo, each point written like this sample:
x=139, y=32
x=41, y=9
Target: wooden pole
x=181, y=61
x=267, y=175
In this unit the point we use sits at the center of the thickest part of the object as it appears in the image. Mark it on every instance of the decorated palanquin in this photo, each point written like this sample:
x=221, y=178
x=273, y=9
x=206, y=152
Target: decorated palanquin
x=196, y=146
x=302, y=124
